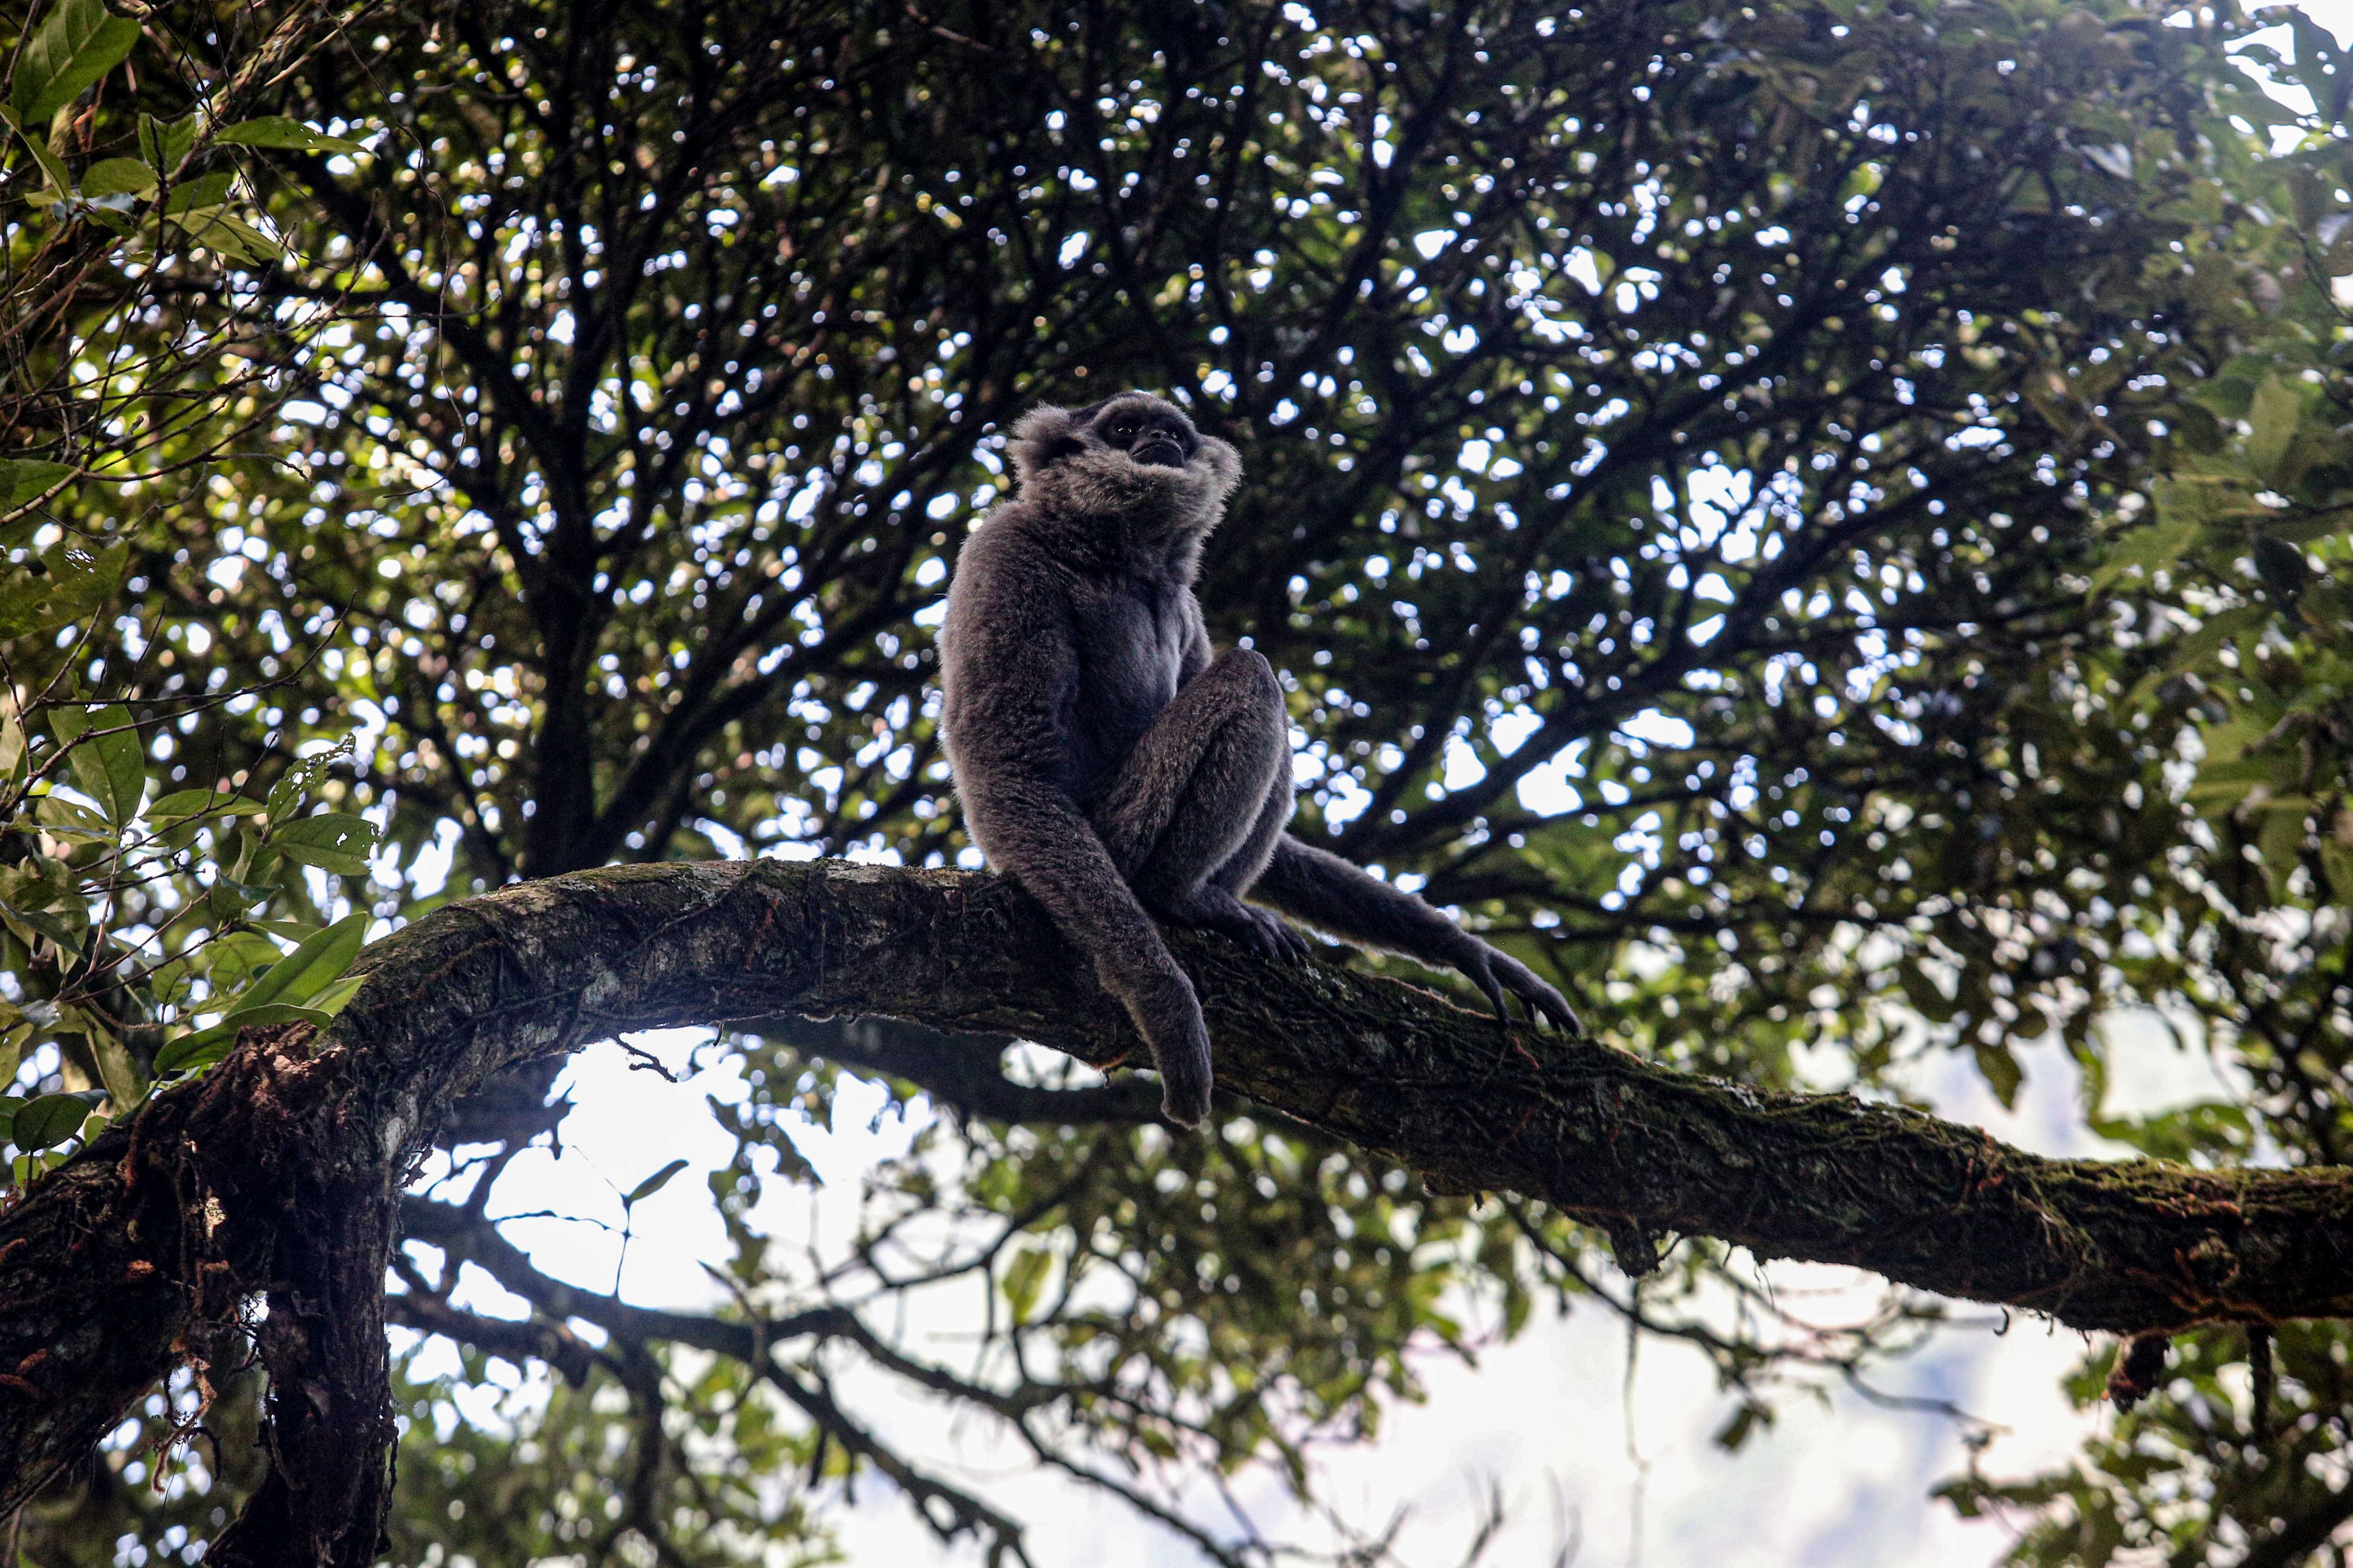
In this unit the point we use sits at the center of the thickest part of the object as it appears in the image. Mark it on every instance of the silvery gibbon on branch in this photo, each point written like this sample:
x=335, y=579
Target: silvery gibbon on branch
x=1114, y=767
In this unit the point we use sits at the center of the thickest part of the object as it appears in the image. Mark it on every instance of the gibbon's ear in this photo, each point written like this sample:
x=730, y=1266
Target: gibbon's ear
x=1043, y=437
x=1225, y=464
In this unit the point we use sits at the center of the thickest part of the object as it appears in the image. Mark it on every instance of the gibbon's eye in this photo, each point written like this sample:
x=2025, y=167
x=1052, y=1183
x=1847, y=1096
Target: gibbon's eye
x=1123, y=429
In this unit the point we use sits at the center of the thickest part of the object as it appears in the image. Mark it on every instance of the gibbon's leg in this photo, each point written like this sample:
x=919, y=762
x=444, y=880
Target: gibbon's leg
x=1195, y=812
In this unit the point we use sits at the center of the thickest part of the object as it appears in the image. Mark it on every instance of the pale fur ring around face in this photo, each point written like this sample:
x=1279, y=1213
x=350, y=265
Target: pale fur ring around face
x=1037, y=434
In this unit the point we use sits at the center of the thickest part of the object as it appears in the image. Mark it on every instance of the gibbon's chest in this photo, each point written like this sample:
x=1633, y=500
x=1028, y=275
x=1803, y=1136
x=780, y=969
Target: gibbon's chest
x=1131, y=636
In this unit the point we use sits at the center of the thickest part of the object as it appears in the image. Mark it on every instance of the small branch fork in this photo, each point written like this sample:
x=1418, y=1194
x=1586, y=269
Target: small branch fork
x=280, y=1172
x=946, y=1510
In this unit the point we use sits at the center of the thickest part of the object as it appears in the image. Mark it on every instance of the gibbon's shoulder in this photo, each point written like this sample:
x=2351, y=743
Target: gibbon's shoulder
x=1026, y=534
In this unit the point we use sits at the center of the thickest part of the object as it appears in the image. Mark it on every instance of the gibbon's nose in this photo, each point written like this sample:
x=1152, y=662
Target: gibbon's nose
x=1160, y=450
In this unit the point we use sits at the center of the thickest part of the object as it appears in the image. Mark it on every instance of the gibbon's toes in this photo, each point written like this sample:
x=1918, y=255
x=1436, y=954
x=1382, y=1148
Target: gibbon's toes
x=1278, y=941
x=1566, y=1017
x=1550, y=1008
x=1185, y=1080
x=1266, y=935
x=1546, y=1006
x=1184, y=1102
x=1483, y=975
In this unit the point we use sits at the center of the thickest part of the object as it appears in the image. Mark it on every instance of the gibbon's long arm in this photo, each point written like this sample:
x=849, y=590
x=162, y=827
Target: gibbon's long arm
x=1010, y=738
x=1327, y=893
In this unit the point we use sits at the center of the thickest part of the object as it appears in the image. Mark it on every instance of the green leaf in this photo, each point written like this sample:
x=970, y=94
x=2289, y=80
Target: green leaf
x=2003, y=1073
x=209, y=192
x=274, y=1013
x=22, y=480
x=9, y=1105
x=189, y=1052
x=651, y=1184
x=330, y=998
x=1024, y=1280
x=232, y=962
x=208, y=1045
x=2273, y=416
x=28, y=924
x=1922, y=992
x=65, y=820
x=125, y=1085
x=118, y=178
x=52, y=170
x=303, y=974
x=235, y=238
x=231, y=237
x=186, y=804
x=12, y=746
x=1743, y=1426
x=69, y=583
x=2149, y=549
x=2282, y=566
x=296, y=931
x=82, y=41
x=229, y=899
x=34, y=905
x=2337, y=859
x=2280, y=843
x=164, y=145
x=279, y=131
x=109, y=762
x=52, y=1119
x=2220, y=629
x=334, y=842
x=307, y=774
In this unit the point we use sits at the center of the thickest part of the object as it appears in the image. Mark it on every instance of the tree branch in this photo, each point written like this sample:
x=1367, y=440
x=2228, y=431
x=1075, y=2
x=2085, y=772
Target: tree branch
x=961, y=1070
x=280, y=1170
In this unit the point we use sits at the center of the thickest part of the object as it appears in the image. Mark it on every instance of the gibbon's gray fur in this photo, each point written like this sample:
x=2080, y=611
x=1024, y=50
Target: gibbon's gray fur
x=1114, y=767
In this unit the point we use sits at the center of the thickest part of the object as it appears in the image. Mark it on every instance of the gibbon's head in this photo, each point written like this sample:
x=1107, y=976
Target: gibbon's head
x=1132, y=460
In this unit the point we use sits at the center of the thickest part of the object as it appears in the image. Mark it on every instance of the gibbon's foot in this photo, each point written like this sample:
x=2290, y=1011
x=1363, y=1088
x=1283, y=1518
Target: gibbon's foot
x=1183, y=1055
x=1497, y=972
x=1169, y=1014
x=1263, y=932
x=1272, y=936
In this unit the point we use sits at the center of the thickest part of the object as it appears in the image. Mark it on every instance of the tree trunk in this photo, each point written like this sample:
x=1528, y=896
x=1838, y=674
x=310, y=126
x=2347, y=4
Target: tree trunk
x=277, y=1176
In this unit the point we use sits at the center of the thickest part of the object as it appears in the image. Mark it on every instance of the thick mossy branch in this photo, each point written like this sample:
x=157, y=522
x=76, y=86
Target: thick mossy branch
x=130, y=1258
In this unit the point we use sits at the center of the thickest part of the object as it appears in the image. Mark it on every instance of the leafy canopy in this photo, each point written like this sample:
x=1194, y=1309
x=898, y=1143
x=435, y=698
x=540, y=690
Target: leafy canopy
x=1813, y=525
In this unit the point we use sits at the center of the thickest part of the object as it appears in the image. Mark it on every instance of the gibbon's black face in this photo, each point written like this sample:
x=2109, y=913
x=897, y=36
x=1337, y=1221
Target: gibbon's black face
x=1131, y=460
x=1157, y=438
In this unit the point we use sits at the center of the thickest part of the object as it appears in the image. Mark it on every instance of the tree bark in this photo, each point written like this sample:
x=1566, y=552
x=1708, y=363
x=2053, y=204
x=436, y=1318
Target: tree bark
x=277, y=1177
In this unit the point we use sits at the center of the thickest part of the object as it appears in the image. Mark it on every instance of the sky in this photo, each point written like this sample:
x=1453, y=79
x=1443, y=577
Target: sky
x=1581, y=1447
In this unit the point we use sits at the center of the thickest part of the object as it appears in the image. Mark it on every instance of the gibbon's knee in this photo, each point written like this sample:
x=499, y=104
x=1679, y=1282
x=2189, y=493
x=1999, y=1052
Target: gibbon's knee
x=1216, y=749
x=1250, y=705
x=1251, y=680
x=1195, y=795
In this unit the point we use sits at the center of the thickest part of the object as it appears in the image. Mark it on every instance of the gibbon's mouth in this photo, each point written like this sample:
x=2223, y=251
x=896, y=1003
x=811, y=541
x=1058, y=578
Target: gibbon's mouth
x=1160, y=452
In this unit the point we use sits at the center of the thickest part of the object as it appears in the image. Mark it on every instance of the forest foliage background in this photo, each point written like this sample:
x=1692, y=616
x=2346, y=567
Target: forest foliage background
x=1821, y=526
